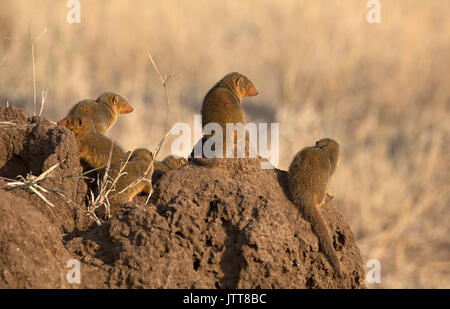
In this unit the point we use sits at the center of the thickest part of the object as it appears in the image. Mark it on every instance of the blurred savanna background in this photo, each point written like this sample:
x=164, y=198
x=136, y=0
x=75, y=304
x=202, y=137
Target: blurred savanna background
x=381, y=90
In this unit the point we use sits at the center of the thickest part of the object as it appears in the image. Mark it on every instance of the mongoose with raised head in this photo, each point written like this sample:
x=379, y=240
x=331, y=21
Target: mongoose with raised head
x=223, y=104
x=135, y=177
x=309, y=173
x=103, y=111
x=94, y=148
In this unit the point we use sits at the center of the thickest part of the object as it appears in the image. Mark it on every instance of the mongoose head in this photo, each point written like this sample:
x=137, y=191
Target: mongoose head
x=174, y=162
x=78, y=124
x=242, y=86
x=120, y=105
x=141, y=154
x=331, y=147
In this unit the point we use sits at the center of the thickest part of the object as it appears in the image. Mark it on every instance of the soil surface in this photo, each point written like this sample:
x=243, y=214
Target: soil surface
x=227, y=226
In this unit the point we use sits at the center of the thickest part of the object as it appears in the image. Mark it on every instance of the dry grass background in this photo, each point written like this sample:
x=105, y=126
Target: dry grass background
x=381, y=90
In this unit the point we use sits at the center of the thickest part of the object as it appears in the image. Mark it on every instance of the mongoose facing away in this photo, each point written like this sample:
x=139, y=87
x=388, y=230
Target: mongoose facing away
x=103, y=111
x=94, y=148
x=309, y=173
x=136, y=177
x=223, y=104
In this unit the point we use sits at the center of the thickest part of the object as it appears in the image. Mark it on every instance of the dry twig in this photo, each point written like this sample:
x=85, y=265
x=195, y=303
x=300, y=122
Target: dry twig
x=32, y=44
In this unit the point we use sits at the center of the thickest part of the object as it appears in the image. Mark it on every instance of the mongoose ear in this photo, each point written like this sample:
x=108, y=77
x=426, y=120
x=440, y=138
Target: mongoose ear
x=240, y=82
x=80, y=122
x=151, y=155
x=115, y=100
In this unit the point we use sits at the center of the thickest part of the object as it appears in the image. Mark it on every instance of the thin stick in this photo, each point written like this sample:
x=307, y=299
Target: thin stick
x=32, y=42
x=3, y=60
x=43, y=97
x=34, y=70
x=164, y=79
x=34, y=80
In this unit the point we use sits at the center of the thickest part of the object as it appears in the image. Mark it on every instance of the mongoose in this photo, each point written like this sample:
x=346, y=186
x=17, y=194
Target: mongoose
x=171, y=162
x=223, y=104
x=174, y=162
x=136, y=177
x=161, y=167
x=103, y=111
x=309, y=173
x=94, y=148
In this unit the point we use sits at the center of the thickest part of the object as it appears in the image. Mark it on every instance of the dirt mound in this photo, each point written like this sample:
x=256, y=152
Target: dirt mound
x=31, y=250
x=227, y=227
x=31, y=145
x=231, y=226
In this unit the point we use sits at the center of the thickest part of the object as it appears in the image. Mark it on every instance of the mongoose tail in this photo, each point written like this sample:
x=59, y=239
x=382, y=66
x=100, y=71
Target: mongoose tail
x=320, y=228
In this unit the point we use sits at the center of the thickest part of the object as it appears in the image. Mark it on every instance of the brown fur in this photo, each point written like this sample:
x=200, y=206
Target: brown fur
x=223, y=104
x=103, y=111
x=309, y=174
x=139, y=167
x=161, y=167
x=169, y=163
x=174, y=162
x=94, y=148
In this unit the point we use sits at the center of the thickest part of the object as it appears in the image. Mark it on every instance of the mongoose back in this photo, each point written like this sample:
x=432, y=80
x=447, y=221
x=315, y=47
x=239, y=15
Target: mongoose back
x=171, y=162
x=103, y=111
x=136, y=177
x=223, y=104
x=174, y=162
x=94, y=148
x=309, y=173
x=160, y=167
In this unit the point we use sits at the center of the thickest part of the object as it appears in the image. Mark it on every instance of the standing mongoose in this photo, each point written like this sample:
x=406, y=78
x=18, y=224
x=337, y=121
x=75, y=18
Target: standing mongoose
x=309, y=173
x=135, y=177
x=94, y=148
x=103, y=111
x=223, y=104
